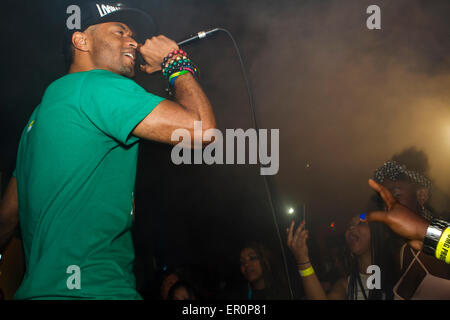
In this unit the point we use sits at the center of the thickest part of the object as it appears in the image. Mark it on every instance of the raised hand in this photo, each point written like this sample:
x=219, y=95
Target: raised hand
x=297, y=242
x=154, y=51
x=399, y=218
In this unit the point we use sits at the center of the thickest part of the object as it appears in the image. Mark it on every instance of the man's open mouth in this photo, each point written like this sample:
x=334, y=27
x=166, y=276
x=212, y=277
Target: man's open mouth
x=130, y=55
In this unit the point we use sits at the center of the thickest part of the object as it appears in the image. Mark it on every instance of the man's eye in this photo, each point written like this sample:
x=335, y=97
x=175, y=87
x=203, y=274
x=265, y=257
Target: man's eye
x=120, y=32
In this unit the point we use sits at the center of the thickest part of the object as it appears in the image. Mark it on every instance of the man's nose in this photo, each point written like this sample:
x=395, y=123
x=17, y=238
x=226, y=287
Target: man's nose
x=132, y=43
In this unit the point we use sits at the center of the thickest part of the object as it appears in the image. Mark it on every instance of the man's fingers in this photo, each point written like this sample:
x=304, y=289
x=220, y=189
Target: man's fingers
x=416, y=244
x=379, y=216
x=388, y=198
x=145, y=68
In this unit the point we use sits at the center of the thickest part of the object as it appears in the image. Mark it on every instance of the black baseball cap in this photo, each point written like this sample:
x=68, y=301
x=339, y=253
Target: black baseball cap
x=96, y=12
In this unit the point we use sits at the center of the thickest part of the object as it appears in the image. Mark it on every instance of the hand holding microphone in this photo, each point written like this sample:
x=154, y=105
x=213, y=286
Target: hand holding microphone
x=154, y=51
x=199, y=35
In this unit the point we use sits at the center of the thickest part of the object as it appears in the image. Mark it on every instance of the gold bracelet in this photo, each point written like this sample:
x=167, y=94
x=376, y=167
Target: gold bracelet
x=443, y=247
x=307, y=272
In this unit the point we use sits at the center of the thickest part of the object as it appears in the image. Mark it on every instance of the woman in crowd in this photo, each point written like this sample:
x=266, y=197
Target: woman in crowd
x=182, y=290
x=258, y=268
x=367, y=246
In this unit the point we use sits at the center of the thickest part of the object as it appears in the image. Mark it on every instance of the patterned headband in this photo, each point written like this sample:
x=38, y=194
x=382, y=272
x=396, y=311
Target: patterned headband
x=392, y=170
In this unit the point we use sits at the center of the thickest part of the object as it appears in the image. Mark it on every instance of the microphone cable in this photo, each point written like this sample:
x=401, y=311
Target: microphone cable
x=255, y=124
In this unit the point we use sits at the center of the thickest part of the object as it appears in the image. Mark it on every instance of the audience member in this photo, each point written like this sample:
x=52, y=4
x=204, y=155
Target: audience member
x=423, y=277
x=363, y=251
x=182, y=290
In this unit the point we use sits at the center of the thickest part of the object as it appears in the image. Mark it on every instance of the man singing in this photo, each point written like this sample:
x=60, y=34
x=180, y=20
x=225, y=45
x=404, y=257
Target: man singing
x=72, y=190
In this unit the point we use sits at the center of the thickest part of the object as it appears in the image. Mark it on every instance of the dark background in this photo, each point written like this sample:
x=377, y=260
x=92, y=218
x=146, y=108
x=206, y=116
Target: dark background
x=345, y=99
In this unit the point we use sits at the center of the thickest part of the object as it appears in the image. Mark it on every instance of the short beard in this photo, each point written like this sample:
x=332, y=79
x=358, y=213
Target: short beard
x=128, y=72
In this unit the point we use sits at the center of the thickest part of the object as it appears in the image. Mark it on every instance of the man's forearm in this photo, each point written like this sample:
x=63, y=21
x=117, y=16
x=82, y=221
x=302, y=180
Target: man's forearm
x=190, y=95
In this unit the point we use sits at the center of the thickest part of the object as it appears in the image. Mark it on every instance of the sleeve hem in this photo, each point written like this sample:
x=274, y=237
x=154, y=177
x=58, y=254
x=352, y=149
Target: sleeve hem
x=129, y=138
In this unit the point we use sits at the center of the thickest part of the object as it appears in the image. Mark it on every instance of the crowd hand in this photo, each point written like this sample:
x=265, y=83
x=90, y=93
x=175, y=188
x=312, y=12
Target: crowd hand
x=297, y=242
x=154, y=51
x=399, y=218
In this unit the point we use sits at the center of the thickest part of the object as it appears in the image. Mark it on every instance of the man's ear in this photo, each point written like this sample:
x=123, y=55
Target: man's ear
x=79, y=41
x=422, y=196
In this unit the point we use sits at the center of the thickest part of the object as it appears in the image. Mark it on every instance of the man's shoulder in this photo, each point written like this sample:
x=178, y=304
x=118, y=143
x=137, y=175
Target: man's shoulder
x=69, y=79
x=97, y=81
x=104, y=74
x=91, y=75
x=99, y=78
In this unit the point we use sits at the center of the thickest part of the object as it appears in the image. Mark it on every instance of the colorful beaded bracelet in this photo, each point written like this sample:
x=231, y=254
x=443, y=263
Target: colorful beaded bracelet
x=179, y=62
x=177, y=65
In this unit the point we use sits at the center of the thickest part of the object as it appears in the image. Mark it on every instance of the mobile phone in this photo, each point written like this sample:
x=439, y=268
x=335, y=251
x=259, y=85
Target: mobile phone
x=298, y=218
x=304, y=220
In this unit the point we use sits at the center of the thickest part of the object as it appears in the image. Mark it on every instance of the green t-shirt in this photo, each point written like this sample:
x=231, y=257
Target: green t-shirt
x=76, y=170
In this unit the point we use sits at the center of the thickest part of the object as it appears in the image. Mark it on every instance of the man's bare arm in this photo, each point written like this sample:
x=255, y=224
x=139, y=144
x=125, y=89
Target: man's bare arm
x=191, y=102
x=9, y=213
x=191, y=105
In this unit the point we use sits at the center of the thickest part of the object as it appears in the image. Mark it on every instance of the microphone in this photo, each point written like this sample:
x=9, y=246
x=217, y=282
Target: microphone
x=199, y=35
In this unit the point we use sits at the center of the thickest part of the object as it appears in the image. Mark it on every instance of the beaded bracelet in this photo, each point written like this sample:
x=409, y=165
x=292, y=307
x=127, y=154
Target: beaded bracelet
x=179, y=65
x=174, y=63
x=179, y=62
x=172, y=54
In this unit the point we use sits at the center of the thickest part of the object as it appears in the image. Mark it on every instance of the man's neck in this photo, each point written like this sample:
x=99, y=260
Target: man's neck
x=80, y=67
